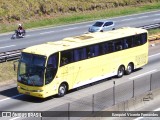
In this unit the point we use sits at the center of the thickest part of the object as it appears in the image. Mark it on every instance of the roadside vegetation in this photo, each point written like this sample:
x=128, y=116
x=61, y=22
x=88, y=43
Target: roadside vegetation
x=38, y=13
x=8, y=75
x=154, y=31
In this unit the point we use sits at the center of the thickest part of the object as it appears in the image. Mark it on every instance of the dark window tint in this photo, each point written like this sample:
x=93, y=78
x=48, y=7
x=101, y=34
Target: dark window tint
x=144, y=38
x=108, y=23
x=52, y=66
x=103, y=48
x=66, y=57
x=110, y=47
x=92, y=51
x=118, y=45
x=80, y=54
x=137, y=40
x=128, y=42
x=98, y=24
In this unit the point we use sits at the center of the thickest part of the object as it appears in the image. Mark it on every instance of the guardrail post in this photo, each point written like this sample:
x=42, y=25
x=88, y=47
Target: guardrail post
x=150, y=82
x=114, y=101
x=93, y=104
x=133, y=89
x=68, y=111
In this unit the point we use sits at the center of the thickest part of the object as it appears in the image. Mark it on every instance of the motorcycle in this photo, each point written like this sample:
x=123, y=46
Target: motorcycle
x=18, y=34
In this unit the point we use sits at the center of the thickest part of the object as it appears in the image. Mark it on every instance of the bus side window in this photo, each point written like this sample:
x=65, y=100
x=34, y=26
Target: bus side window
x=129, y=42
x=137, y=40
x=110, y=47
x=118, y=45
x=90, y=51
x=144, y=38
x=96, y=50
x=93, y=51
x=66, y=57
x=80, y=54
x=103, y=48
x=125, y=43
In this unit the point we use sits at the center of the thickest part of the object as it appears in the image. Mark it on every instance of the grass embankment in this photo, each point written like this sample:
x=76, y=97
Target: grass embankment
x=154, y=31
x=7, y=73
x=40, y=13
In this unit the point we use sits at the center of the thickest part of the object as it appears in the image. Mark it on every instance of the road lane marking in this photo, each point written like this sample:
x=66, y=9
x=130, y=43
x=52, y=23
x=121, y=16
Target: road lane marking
x=139, y=118
x=156, y=14
x=28, y=35
x=71, y=28
x=11, y=97
x=58, y=31
x=47, y=32
x=153, y=55
x=127, y=19
x=138, y=76
x=156, y=20
x=158, y=109
x=14, y=118
x=7, y=46
x=142, y=17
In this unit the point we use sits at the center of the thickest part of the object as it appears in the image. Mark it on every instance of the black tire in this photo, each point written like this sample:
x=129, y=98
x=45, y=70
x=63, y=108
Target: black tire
x=62, y=90
x=129, y=69
x=13, y=36
x=120, y=71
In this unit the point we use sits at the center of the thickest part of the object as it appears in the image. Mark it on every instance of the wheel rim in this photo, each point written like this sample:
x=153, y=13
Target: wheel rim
x=120, y=71
x=129, y=68
x=62, y=90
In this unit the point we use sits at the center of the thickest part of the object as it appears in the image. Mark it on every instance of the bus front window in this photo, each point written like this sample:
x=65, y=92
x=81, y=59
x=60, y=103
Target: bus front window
x=31, y=69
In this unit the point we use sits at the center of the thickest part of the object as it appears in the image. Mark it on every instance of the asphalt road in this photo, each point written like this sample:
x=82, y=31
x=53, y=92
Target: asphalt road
x=41, y=35
x=10, y=100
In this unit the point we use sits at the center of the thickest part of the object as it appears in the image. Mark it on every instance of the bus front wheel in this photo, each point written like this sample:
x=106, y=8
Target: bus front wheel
x=120, y=71
x=62, y=90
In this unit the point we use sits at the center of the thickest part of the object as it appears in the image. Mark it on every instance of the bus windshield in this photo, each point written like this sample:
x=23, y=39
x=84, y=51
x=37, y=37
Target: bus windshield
x=31, y=69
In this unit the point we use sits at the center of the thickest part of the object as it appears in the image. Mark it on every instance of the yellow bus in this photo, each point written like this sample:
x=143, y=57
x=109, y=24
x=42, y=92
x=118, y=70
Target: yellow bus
x=56, y=67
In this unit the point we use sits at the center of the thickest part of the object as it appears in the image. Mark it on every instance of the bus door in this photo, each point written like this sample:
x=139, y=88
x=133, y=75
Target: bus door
x=66, y=63
x=79, y=66
x=51, y=68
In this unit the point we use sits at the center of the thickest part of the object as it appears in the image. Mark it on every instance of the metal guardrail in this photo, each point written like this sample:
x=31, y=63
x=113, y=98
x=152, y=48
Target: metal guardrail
x=151, y=26
x=15, y=54
x=10, y=55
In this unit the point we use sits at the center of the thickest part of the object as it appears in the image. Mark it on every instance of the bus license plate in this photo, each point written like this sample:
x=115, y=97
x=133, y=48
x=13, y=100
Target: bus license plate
x=28, y=93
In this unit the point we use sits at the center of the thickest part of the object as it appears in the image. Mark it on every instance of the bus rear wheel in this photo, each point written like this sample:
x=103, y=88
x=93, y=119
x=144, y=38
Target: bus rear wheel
x=62, y=90
x=120, y=71
x=129, y=69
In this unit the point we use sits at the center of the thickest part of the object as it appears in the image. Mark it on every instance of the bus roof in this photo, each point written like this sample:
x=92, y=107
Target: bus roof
x=78, y=41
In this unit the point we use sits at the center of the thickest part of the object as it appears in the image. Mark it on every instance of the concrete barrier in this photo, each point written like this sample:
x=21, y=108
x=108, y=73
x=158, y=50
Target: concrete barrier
x=135, y=103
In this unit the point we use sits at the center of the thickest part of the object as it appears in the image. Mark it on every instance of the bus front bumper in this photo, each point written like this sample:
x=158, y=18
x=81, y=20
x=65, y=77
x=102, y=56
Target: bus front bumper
x=36, y=93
